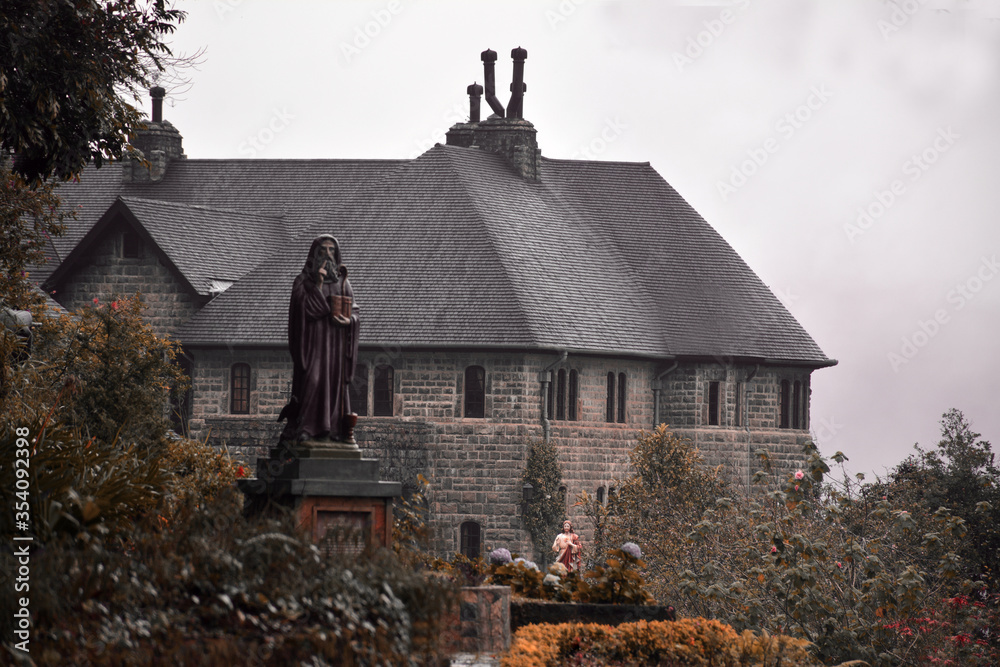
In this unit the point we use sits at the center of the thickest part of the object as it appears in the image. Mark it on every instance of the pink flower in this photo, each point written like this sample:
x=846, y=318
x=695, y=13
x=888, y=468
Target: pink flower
x=774, y=550
x=114, y=304
x=839, y=565
x=96, y=300
x=799, y=474
x=796, y=487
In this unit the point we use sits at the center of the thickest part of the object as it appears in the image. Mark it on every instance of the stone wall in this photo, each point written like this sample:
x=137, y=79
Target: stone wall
x=474, y=464
x=106, y=274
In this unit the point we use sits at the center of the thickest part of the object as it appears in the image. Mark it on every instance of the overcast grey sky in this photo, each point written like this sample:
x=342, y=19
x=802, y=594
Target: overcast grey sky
x=849, y=151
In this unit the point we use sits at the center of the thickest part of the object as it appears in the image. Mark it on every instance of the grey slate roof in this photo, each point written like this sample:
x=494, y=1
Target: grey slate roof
x=454, y=248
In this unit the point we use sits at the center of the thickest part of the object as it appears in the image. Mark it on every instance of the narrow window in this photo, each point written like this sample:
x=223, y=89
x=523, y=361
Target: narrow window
x=550, y=400
x=359, y=391
x=621, y=397
x=797, y=405
x=611, y=397
x=600, y=495
x=574, y=392
x=475, y=391
x=239, y=389
x=471, y=536
x=784, y=404
x=713, y=403
x=382, y=394
x=561, y=394
x=131, y=244
x=738, y=408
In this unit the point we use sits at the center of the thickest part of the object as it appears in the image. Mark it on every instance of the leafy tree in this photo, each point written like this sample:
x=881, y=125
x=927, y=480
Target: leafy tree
x=547, y=509
x=833, y=563
x=66, y=70
x=28, y=217
x=960, y=475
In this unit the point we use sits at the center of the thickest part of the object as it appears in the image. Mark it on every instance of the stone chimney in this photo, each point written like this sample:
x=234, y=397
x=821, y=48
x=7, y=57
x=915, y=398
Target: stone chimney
x=158, y=141
x=505, y=132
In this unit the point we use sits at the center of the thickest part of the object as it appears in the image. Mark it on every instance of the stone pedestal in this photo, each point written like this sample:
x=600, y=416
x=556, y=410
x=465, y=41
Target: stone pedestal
x=483, y=621
x=336, y=495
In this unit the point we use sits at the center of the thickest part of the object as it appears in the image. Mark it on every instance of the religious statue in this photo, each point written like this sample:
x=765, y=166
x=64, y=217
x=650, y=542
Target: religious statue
x=568, y=546
x=323, y=342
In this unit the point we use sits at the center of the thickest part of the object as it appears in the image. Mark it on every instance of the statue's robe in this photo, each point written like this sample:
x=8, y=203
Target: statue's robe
x=324, y=355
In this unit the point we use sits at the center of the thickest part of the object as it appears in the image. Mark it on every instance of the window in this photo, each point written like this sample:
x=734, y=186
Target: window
x=797, y=405
x=239, y=389
x=359, y=391
x=131, y=244
x=713, y=403
x=561, y=394
x=600, y=495
x=738, y=411
x=382, y=394
x=784, y=405
x=550, y=401
x=611, y=397
x=574, y=391
x=471, y=536
x=475, y=391
x=621, y=397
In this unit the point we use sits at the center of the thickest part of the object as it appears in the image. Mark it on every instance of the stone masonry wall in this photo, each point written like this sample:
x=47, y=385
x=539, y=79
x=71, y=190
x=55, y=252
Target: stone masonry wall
x=474, y=465
x=107, y=274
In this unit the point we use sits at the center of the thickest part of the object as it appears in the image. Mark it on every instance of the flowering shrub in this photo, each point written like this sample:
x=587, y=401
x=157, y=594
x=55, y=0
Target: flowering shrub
x=694, y=641
x=499, y=556
x=832, y=564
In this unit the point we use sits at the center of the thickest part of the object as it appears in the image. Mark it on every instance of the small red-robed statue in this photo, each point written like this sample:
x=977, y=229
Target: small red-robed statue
x=568, y=546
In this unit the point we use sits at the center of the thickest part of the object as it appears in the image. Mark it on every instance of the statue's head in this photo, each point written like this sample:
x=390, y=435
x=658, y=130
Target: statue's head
x=325, y=250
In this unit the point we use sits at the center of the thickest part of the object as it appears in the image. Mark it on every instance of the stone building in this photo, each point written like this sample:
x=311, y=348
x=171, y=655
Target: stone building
x=504, y=297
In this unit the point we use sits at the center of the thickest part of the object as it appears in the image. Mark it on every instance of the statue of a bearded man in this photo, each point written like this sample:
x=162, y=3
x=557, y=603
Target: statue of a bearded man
x=323, y=341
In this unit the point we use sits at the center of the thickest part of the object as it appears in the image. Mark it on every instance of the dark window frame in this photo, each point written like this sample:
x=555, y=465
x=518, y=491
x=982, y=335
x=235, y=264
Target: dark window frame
x=132, y=245
x=239, y=389
x=622, y=397
x=474, y=393
x=797, y=405
x=383, y=392
x=784, y=404
x=714, y=404
x=612, y=396
x=469, y=532
x=561, y=395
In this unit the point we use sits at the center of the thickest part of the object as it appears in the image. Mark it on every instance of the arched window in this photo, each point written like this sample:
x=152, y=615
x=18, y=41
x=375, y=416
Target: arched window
x=784, y=405
x=359, y=391
x=382, y=394
x=561, y=394
x=550, y=401
x=239, y=389
x=600, y=495
x=611, y=397
x=797, y=405
x=621, y=397
x=574, y=393
x=470, y=539
x=475, y=391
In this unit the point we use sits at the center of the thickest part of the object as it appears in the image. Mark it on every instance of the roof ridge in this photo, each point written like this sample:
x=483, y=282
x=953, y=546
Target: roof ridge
x=201, y=207
x=526, y=320
x=600, y=162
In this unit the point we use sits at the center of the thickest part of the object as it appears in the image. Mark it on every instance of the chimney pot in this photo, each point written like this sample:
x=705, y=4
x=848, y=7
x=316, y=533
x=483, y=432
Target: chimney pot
x=157, y=93
x=475, y=94
x=488, y=56
x=519, y=54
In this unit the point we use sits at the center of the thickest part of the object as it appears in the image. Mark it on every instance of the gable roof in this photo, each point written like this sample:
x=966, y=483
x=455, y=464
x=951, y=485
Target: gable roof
x=454, y=248
x=204, y=246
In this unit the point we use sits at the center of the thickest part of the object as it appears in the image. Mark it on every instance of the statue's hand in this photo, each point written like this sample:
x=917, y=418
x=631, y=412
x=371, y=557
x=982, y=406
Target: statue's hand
x=341, y=320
